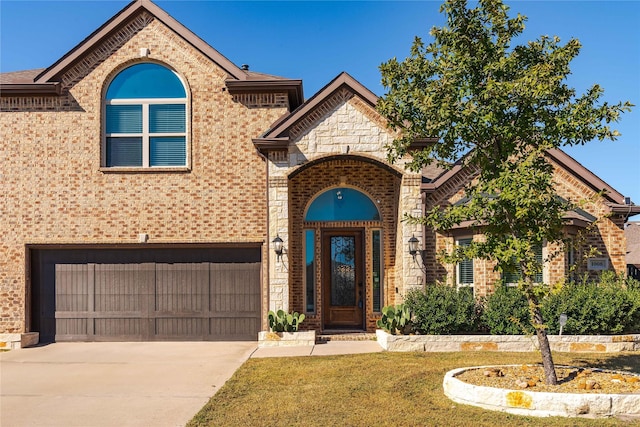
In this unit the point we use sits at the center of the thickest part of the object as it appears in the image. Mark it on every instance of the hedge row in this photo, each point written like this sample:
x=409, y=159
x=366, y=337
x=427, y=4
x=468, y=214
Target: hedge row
x=609, y=306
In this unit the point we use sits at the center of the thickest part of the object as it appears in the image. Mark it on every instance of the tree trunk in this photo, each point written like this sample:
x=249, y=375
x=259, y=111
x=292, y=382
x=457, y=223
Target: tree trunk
x=545, y=348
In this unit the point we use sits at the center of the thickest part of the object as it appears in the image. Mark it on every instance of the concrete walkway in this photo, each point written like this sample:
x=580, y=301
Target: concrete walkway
x=128, y=384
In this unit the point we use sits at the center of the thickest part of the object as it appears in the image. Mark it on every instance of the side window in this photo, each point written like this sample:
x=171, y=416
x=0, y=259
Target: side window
x=512, y=277
x=145, y=118
x=464, y=269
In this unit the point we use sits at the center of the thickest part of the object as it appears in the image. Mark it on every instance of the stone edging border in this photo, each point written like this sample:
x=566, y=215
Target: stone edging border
x=564, y=343
x=286, y=339
x=539, y=404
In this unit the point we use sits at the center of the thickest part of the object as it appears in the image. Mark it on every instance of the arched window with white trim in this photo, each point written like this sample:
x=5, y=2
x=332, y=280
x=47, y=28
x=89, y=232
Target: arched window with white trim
x=146, y=118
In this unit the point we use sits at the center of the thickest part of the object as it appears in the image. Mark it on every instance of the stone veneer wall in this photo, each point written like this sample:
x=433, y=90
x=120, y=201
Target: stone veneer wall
x=606, y=235
x=351, y=137
x=55, y=192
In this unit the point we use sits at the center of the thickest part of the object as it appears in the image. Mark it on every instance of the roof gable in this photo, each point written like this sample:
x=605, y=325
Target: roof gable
x=279, y=135
x=120, y=19
x=135, y=15
x=614, y=199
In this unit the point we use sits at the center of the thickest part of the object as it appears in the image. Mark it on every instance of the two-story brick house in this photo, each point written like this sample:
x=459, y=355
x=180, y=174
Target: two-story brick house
x=146, y=180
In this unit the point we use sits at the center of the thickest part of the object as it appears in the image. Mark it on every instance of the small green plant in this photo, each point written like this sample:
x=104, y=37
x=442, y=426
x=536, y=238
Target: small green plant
x=284, y=322
x=396, y=320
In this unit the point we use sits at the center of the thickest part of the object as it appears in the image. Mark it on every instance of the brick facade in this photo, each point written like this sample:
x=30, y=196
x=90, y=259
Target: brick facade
x=605, y=234
x=55, y=191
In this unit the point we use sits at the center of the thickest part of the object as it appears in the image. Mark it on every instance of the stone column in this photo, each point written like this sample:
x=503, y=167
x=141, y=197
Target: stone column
x=278, y=226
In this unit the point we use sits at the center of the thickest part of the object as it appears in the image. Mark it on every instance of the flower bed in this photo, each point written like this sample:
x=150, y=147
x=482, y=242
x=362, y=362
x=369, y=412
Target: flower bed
x=460, y=387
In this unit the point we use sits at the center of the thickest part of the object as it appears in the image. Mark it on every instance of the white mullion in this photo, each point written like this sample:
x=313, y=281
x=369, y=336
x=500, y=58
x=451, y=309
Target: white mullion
x=145, y=135
x=143, y=101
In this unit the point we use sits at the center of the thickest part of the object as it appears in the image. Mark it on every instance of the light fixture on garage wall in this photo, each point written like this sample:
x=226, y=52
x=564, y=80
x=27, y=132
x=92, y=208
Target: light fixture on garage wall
x=278, y=247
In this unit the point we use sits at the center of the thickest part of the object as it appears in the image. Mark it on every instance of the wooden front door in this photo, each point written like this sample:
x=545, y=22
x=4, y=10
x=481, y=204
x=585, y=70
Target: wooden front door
x=342, y=279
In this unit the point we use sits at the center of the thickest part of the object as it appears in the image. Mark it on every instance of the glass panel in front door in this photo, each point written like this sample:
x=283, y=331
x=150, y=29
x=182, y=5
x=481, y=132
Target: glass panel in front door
x=343, y=271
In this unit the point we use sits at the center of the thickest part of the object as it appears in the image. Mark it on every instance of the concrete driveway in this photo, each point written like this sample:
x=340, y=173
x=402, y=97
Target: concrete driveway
x=114, y=384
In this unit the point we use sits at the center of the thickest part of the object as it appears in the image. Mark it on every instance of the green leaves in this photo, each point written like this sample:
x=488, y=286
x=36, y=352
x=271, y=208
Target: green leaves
x=497, y=109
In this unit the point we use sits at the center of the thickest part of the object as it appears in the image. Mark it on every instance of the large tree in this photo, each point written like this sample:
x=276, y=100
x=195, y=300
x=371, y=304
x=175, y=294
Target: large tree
x=498, y=109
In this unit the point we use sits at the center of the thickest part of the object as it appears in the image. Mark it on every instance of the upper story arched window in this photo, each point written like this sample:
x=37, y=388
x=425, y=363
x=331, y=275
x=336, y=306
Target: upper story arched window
x=146, y=118
x=342, y=204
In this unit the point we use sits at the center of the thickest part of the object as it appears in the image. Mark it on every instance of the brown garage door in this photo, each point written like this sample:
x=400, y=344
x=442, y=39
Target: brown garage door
x=154, y=300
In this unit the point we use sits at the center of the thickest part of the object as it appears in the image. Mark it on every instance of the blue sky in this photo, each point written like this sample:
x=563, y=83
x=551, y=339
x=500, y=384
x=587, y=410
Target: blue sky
x=315, y=41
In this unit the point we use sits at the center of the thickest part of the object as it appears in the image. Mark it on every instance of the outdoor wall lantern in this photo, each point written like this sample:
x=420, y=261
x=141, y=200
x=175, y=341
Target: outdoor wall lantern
x=277, y=246
x=414, y=246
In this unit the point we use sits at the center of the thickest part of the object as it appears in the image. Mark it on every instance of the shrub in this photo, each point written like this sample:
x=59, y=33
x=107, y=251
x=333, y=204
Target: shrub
x=441, y=309
x=506, y=312
x=610, y=306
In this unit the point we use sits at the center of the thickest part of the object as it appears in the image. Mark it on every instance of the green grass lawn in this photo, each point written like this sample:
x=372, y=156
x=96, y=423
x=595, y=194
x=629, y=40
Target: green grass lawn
x=379, y=389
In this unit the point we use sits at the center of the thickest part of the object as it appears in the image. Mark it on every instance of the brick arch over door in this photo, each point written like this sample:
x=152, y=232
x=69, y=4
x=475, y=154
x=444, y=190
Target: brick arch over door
x=381, y=183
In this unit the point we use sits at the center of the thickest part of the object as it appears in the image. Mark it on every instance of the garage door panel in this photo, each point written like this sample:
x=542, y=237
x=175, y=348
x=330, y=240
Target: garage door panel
x=72, y=292
x=177, y=327
x=131, y=328
x=123, y=287
x=231, y=290
x=235, y=328
x=182, y=287
x=69, y=329
x=114, y=295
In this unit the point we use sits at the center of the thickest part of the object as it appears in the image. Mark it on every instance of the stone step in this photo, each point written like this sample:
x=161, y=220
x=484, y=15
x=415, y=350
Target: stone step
x=326, y=336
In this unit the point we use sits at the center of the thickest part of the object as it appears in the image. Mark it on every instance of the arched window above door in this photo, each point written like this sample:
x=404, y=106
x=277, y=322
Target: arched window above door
x=342, y=204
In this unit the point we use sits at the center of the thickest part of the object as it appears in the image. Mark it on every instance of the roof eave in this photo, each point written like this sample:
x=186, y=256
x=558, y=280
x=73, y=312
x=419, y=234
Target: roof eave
x=585, y=175
x=30, y=89
x=264, y=145
x=622, y=209
x=422, y=143
x=292, y=87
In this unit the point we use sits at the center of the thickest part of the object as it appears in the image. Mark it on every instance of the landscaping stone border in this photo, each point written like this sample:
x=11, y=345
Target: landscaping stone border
x=539, y=404
x=16, y=341
x=286, y=339
x=564, y=343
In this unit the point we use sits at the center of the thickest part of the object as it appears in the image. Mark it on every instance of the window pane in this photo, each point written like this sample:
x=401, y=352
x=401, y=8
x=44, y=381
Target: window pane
x=465, y=267
x=538, y=250
x=377, y=270
x=342, y=204
x=124, y=119
x=515, y=276
x=343, y=271
x=146, y=81
x=124, y=152
x=310, y=270
x=167, y=151
x=167, y=118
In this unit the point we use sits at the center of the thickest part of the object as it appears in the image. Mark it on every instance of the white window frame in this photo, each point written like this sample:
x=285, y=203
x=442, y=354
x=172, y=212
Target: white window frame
x=545, y=268
x=473, y=270
x=146, y=135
